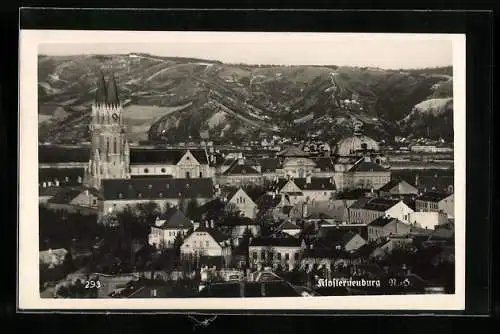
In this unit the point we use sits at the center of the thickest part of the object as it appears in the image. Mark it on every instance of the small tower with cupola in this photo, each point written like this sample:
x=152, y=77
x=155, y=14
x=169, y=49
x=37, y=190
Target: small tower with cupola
x=109, y=158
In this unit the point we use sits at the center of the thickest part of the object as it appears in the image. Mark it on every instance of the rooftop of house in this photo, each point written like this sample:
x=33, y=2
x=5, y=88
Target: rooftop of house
x=334, y=236
x=268, y=165
x=383, y=221
x=174, y=218
x=288, y=226
x=325, y=164
x=399, y=186
x=60, y=154
x=165, y=156
x=374, y=204
x=315, y=183
x=281, y=241
x=236, y=221
x=238, y=169
x=128, y=189
x=213, y=232
x=367, y=166
x=268, y=201
x=66, y=195
x=433, y=196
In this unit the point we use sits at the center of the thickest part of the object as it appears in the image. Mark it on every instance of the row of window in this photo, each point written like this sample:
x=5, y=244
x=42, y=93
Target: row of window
x=276, y=256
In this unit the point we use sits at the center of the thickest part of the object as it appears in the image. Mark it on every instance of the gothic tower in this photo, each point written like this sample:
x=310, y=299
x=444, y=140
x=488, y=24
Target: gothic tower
x=109, y=158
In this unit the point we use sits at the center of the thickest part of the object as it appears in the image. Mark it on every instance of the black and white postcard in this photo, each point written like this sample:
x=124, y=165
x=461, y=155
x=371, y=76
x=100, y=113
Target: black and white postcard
x=241, y=171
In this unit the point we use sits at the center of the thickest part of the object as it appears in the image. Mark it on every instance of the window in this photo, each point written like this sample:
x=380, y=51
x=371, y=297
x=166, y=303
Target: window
x=287, y=256
x=206, y=243
x=278, y=255
x=163, y=170
x=120, y=195
x=160, y=194
x=263, y=255
x=296, y=256
x=254, y=255
x=187, y=175
x=146, y=170
x=201, y=175
x=94, y=201
x=150, y=186
x=139, y=195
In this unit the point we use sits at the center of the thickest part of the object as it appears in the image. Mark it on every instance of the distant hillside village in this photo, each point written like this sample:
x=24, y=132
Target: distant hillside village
x=307, y=207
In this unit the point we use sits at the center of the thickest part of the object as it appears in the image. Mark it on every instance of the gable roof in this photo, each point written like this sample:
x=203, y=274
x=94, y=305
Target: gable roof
x=66, y=195
x=400, y=186
x=433, y=196
x=213, y=232
x=375, y=204
x=367, y=166
x=174, y=219
x=240, y=169
x=288, y=226
x=383, y=221
x=324, y=163
x=336, y=236
x=268, y=201
x=164, y=156
x=115, y=189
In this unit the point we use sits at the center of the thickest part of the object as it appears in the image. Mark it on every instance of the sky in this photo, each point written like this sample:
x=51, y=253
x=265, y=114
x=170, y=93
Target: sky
x=384, y=51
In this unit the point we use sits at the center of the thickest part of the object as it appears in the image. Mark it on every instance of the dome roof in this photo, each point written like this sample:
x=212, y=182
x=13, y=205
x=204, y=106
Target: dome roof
x=356, y=143
x=351, y=145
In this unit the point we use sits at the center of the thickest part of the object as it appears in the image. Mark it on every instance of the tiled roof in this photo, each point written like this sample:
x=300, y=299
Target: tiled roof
x=403, y=187
x=65, y=176
x=214, y=233
x=66, y=195
x=374, y=204
x=164, y=156
x=316, y=183
x=367, y=166
x=324, y=163
x=268, y=165
x=240, y=169
x=288, y=241
x=161, y=188
x=319, y=215
x=332, y=236
x=432, y=196
x=382, y=221
x=174, y=219
x=61, y=154
x=267, y=201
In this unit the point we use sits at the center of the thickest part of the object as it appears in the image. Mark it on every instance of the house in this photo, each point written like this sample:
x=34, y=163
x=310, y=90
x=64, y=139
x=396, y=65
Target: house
x=397, y=188
x=279, y=250
x=389, y=245
x=119, y=193
x=366, y=209
x=436, y=202
x=428, y=220
x=340, y=240
x=241, y=174
x=166, y=228
x=289, y=228
x=242, y=202
x=175, y=163
x=73, y=199
x=387, y=226
x=237, y=226
x=208, y=242
x=307, y=189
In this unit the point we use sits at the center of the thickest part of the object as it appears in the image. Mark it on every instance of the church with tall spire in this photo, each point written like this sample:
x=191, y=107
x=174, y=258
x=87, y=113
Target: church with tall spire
x=110, y=154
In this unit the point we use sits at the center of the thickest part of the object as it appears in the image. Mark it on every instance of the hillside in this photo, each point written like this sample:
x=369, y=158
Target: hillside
x=180, y=98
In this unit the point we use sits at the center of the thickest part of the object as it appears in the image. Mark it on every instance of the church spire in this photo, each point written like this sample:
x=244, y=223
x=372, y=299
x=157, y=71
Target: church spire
x=112, y=92
x=100, y=96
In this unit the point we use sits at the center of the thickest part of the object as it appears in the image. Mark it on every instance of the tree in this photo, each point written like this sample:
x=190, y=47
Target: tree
x=178, y=241
x=245, y=242
x=148, y=212
x=192, y=209
x=265, y=221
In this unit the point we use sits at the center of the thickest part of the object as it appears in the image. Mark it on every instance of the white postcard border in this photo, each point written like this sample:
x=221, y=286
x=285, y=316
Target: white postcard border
x=28, y=257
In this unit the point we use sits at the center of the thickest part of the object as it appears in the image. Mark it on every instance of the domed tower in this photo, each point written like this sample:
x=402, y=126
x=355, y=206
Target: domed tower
x=357, y=144
x=109, y=158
